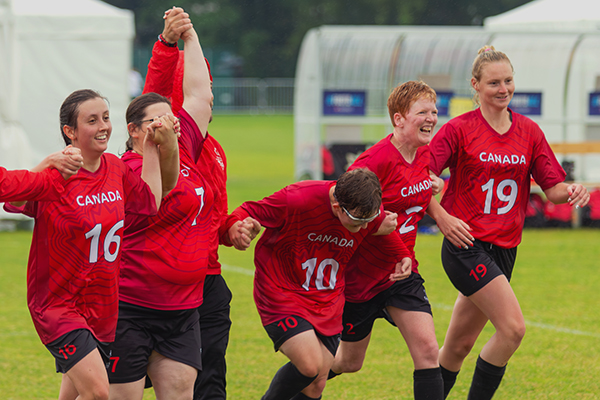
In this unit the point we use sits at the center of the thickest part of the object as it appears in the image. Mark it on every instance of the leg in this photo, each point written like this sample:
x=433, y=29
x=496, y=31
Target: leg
x=67, y=389
x=466, y=324
x=418, y=331
x=306, y=358
x=127, y=391
x=88, y=378
x=215, y=326
x=171, y=379
x=350, y=356
x=499, y=303
x=315, y=389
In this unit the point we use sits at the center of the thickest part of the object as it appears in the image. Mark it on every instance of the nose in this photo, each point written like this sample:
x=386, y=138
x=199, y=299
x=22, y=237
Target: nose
x=502, y=87
x=364, y=226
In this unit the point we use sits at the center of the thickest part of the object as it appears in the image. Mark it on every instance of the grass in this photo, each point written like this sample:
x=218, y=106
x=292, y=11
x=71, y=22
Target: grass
x=555, y=279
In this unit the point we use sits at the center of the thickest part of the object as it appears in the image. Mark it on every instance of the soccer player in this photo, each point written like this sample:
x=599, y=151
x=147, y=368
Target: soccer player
x=491, y=152
x=72, y=276
x=312, y=230
x=164, y=76
x=401, y=161
x=165, y=257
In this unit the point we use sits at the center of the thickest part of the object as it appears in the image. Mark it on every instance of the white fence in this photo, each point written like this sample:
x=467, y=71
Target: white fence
x=253, y=95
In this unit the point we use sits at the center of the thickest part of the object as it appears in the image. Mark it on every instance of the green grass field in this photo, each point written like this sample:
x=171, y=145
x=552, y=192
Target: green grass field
x=556, y=281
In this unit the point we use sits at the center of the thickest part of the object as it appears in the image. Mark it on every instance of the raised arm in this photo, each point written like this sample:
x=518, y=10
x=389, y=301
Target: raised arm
x=197, y=93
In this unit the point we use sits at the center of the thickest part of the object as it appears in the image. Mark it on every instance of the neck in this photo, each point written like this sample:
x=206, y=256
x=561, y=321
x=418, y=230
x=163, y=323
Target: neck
x=91, y=164
x=499, y=119
x=406, y=150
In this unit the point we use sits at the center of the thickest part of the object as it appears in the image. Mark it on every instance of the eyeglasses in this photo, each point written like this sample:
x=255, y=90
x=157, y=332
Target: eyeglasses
x=361, y=220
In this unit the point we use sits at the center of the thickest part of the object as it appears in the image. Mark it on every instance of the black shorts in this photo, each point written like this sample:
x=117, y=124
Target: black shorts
x=293, y=325
x=471, y=269
x=140, y=330
x=73, y=346
x=408, y=294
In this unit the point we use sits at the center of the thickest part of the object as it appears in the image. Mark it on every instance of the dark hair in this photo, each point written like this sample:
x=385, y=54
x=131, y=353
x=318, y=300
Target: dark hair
x=403, y=97
x=69, y=110
x=137, y=111
x=359, y=191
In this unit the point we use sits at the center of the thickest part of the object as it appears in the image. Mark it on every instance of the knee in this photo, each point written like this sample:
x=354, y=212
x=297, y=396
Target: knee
x=428, y=355
x=100, y=392
x=514, y=333
x=352, y=366
x=308, y=369
x=461, y=347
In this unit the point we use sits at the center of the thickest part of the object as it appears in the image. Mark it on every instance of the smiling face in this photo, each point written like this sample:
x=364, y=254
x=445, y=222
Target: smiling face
x=93, y=128
x=496, y=85
x=418, y=124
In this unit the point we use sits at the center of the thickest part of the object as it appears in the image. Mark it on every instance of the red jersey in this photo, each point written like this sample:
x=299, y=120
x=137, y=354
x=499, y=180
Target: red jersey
x=165, y=257
x=407, y=192
x=72, y=274
x=165, y=76
x=302, y=255
x=22, y=185
x=490, y=173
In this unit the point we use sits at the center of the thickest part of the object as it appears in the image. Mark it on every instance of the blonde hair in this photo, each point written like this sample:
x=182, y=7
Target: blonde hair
x=404, y=96
x=487, y=54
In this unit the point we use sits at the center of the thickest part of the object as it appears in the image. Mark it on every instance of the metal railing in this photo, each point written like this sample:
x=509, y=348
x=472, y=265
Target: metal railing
x=253, y=95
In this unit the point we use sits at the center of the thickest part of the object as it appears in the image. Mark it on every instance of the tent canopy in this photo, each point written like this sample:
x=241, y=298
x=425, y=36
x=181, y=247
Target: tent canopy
x=49, y=49
x=559, y=15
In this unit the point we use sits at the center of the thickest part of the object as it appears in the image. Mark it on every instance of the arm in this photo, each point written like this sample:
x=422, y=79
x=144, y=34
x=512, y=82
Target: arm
x=455, y=230
x=162, y=134
x=388, y=225
x=575, y=194
x=197, y=93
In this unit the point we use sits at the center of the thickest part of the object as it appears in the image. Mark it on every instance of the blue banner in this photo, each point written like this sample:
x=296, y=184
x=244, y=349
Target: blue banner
x=344, y=102
x=594, y=106
x=443, y=103
x=527, y=103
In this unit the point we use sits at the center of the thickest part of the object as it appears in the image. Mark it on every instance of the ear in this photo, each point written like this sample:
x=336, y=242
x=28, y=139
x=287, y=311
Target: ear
x=398, y=119
x=475, y=84
x=69, y=132
x=132, y=129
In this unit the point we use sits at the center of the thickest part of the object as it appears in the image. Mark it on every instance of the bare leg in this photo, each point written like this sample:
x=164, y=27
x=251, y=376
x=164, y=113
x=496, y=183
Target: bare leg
x=350, y=356
x=127, y=391
x=88, y=378
x=172, y=380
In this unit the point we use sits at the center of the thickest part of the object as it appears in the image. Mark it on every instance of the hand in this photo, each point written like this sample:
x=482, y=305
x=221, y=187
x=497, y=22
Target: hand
x=456, y=231
x=403, y=270
x=437, y=184
x=67, y=161
x=162, y=130
x=243, y=232
x=578, y=195
x=389, y=224
x=177, y=22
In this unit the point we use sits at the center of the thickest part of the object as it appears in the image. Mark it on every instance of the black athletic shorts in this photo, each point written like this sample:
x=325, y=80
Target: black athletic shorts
x=140, y=330
x=293, y=325
x=73, y=346
x=471, y=269
x=408, y=294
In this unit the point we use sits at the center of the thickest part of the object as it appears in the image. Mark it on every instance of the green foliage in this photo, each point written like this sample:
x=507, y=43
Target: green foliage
x=555, y=279
x=267, y=34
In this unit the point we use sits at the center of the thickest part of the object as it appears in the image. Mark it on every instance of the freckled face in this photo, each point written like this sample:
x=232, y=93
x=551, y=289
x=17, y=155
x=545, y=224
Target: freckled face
x=419, y=122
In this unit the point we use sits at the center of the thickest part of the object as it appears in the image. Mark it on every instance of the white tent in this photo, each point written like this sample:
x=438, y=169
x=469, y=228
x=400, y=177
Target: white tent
x=49, y=49
x=540, y=15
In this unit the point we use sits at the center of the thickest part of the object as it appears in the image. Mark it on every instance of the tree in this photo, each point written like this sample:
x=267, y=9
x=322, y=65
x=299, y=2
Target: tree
x=267, y=34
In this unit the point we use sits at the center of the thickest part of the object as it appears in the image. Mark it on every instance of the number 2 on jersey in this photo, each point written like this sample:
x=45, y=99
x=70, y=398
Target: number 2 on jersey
x=311, y=264
x=509, y=198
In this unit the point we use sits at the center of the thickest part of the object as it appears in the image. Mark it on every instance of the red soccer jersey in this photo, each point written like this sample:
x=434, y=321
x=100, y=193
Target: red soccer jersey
x=23, y=185
x=72, y=274
x=165, y=75
x=301, y=257
x=407, y=192
x=165, y=257
x=490, y=173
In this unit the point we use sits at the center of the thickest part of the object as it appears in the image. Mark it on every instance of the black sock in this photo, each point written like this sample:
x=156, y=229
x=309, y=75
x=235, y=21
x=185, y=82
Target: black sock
x=486, y=379
x=302, y=396
x=428, y=384
x=449, y=378
x=287, y=382
x=332, y=374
